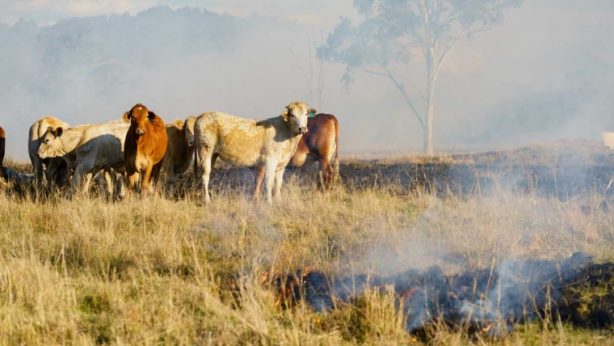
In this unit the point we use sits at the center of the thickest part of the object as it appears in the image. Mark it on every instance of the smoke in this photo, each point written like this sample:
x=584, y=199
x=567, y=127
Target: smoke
x=543, y=74
x=178, y=62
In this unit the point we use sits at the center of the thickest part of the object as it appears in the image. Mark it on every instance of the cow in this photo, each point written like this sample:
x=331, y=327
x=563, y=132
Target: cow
x=266, y=145
x=87, y=149
x=144, y=148
x=321, y=144
x=2, y=144
x=54, y=169
x=180, y=149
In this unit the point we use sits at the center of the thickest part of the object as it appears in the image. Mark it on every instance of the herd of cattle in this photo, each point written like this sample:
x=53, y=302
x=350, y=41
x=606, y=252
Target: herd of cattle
x=140, y=148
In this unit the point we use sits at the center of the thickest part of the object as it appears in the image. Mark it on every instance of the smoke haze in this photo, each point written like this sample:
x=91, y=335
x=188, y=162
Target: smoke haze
x=545, y=73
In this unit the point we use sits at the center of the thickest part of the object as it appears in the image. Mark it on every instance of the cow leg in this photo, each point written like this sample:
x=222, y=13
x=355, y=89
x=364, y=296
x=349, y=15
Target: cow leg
x=120, y=185
x=133, y=180
x=146, y=181
x=258, y=182
x=77, y=178
x=155, y=173
x=269, y=181
x=77, y=181
x=49, y=172
x=279, y=180
x=86, y=182
x=57, y=173
x=327, y=174
x=206, y=163
x=171, y=180
x=109, y=183
x=37, y=165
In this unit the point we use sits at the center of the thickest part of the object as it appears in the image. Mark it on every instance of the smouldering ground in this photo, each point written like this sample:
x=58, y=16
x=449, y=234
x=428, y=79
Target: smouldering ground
x=159, y=271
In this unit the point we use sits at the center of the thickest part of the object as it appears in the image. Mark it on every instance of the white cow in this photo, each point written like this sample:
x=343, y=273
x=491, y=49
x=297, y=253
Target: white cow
x=51, y=168
x=88, y=149
x=267, y=145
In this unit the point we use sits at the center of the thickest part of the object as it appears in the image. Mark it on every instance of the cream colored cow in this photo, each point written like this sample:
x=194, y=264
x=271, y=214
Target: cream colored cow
x=52, y=166
x=267, y=145
x=88, y=149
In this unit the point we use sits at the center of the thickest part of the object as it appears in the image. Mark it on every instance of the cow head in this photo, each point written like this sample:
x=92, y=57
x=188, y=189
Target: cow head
x=188, y=128
x=51, y=143
x=296, y=115
x=139, y=116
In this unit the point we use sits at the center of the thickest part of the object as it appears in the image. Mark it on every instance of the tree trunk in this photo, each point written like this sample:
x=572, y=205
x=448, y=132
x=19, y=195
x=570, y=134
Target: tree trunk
x=429, y=102
x=428, y=129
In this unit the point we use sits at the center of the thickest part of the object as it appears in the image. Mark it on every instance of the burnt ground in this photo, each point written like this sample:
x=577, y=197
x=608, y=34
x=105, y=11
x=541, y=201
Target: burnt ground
x=560, y=170
x=487, y=301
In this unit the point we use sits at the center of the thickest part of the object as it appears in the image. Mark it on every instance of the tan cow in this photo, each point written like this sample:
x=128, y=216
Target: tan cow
x=87, y=148
x=54, y=169
x=180, y=149
x=321, y=144
x=267, y=145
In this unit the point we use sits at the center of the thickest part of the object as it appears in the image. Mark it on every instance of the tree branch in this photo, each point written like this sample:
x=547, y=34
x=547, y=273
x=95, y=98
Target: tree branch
x=375, y=73
x=401, y=89
x=388, y=74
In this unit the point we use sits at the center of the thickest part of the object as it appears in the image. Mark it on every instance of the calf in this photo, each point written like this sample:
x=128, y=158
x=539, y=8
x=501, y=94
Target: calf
x=145, y=146
x=87, y=149
x=54, y=169
x=321, y=144
x=180, y=149
x=267, y=145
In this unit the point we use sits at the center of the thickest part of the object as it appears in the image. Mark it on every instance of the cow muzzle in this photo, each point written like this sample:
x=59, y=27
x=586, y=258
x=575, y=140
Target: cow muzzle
x=140, y=132
x=302, y=130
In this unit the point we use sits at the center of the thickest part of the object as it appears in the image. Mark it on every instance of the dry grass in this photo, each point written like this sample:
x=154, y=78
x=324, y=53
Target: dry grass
x=159, y=271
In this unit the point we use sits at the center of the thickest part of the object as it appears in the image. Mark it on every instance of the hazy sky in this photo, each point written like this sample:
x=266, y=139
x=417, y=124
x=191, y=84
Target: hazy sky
x=545, y=73
x=318, y=12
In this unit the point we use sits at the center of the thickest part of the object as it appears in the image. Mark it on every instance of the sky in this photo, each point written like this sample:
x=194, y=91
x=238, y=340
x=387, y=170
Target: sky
x=545, y=73
x=322, y=13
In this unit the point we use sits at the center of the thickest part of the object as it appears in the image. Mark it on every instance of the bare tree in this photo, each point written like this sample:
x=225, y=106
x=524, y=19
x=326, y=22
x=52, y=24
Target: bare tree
x=392, y=31
x=314, y=74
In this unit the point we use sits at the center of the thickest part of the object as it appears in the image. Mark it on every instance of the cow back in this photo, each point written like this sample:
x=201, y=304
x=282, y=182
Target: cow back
x=238, y=141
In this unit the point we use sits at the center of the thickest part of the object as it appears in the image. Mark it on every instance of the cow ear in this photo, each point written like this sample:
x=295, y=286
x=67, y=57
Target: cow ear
x=58, y=132
x=312, y=112
x=284, y=115
x=126, y=117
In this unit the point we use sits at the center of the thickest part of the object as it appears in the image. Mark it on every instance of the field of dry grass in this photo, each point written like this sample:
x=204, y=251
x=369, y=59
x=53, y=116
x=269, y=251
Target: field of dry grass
x=163, y=271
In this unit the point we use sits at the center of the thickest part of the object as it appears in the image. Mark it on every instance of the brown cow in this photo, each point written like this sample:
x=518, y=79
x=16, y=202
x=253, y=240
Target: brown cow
x=2, y=143
x=320, y=143
x=145, y=146
x=180, y=150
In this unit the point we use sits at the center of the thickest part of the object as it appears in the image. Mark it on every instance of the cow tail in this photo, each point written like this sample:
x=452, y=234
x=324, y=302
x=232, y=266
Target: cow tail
x=336, y=159
x=195, y=163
